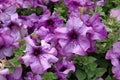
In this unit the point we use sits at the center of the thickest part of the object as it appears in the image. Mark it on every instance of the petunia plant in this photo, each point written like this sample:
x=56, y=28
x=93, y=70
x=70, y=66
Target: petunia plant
x=59, y=40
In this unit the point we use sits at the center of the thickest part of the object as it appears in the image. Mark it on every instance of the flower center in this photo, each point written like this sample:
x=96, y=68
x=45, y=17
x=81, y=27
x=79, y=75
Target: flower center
x=73, y=35
x=37, y=52
x=11, y=25
x=75, y=3
x=2, y=46
x=50, y=22
x=63, y=69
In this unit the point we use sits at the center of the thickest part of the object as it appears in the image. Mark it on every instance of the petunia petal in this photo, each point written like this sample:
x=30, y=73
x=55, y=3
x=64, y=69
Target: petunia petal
x=2, y=77
x=37, y=67
x=8, y=51
x=74, y=23
x=46, y=60
x=28, y=59
x=10, y=10
x=17, y=73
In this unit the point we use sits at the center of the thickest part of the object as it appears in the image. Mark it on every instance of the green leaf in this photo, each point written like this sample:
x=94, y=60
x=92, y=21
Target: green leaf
x=17, y=53
x=39, y=11
x=108, y=78
x=92, y=66
x=80, y=74
x=100, y=71
x=11, y=69
x=91, y=59
x=99, y=10
x=49, y=76
x=102, y=63
x=90, y=74
x=22, y=41
x=87, y=60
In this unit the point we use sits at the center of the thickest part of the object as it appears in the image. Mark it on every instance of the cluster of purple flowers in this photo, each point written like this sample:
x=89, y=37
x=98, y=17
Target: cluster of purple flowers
x=49, y=44
x=114, y=55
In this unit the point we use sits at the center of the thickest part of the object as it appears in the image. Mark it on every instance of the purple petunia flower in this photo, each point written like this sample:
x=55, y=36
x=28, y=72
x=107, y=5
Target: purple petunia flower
x=100, y=3
x=28, y=21
x=31, y=76
x=47, y=1
x=98, y=29
x=3, y=1
x=16, y=75
x=13, y=29
x=85, y=5
x=3, y=73
x=115, y=13
x=62, y=68
x=72, y=5
x=42, y=32
x=6, y=45
x=51, y=22
x=31, y=22
x=114, y=55
x=8, y=14
x=72, y=38
x=39, y=57
x=7, y=3
x=116, y=72
x=27, y=3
